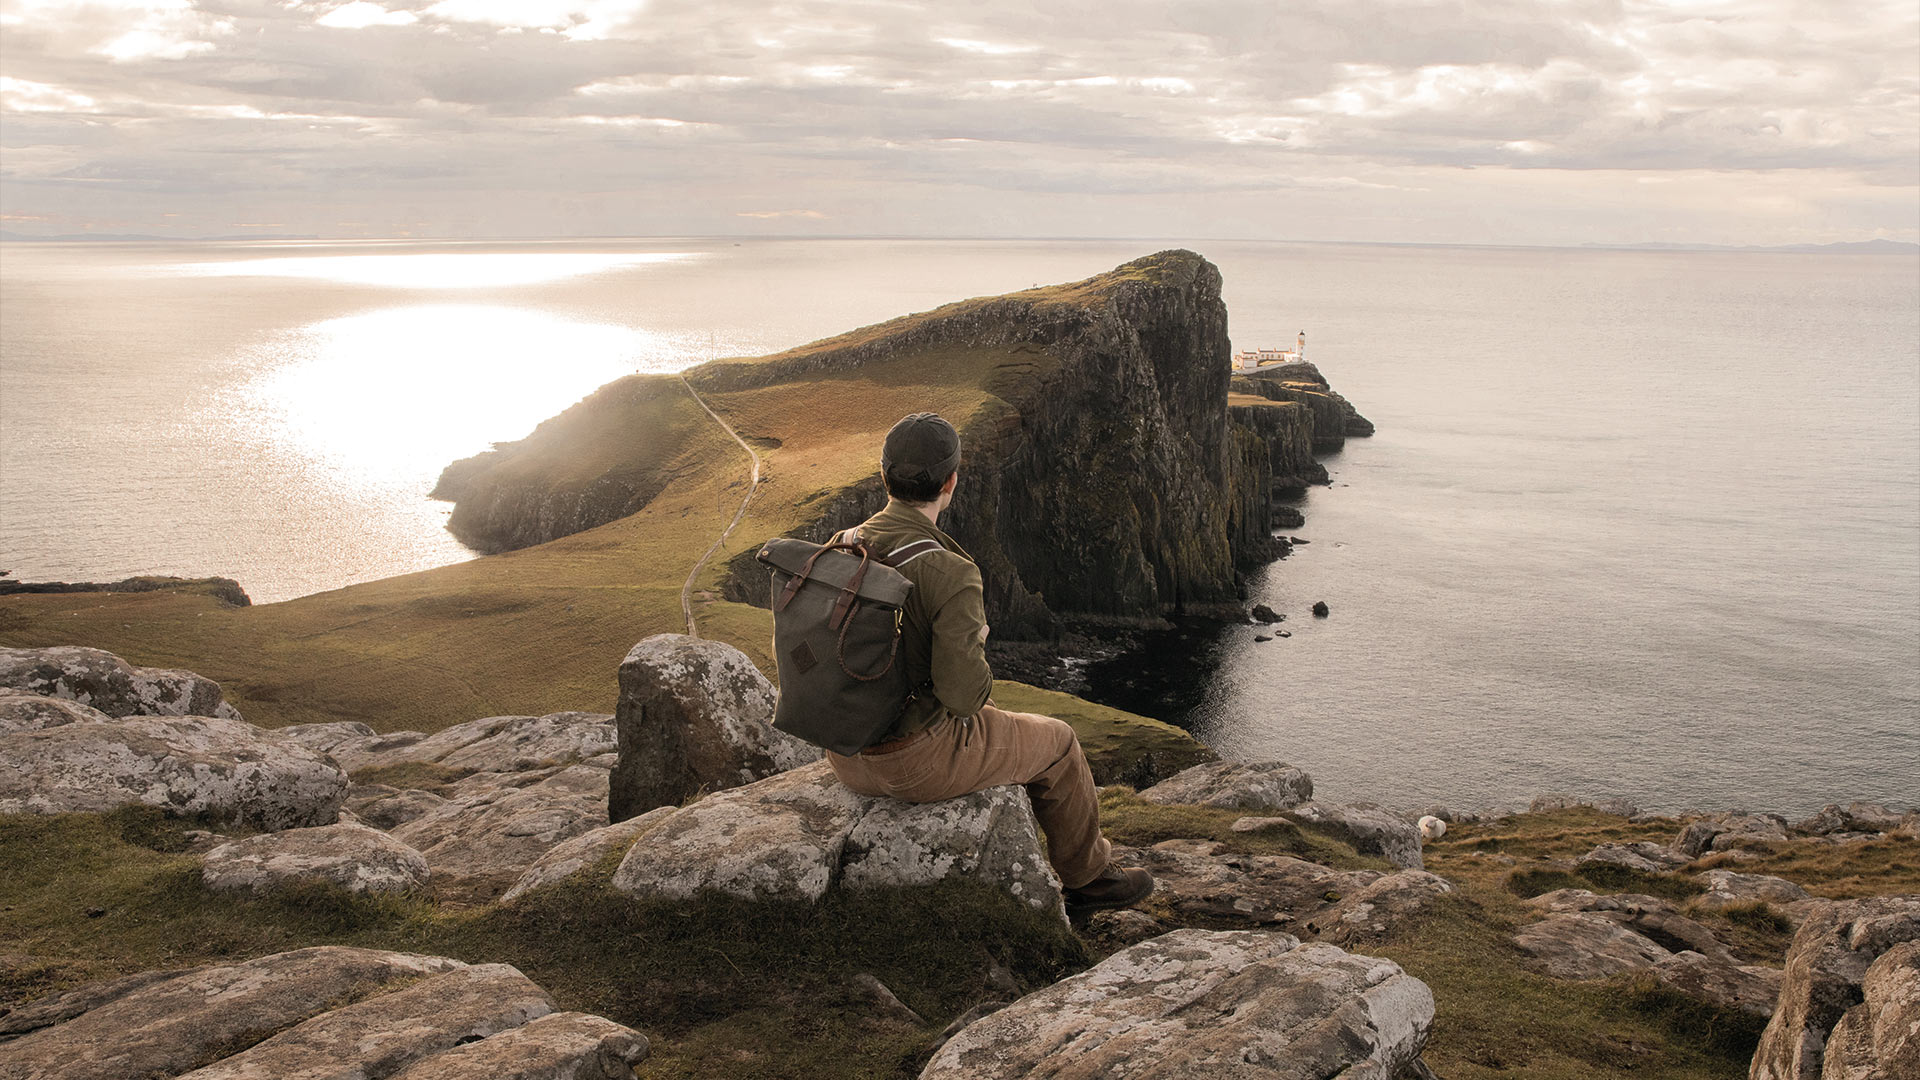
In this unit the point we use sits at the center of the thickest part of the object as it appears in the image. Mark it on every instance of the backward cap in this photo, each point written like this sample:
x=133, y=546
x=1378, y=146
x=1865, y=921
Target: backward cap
x=921, y=447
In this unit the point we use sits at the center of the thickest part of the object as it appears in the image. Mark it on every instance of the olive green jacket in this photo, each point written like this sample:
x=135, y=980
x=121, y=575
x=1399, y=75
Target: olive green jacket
x=943, y=626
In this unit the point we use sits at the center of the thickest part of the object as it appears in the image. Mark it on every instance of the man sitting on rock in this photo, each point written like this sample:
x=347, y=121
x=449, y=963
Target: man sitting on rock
x=952, y=739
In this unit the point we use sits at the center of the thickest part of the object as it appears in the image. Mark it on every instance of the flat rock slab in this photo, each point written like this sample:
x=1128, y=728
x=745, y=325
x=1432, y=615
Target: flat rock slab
x=1261, y=785
x=1646, y=857
x=113, y=686
x=1200, y=880
x=557, y=1046
x=1587, y=945
x=1649, y=916
x=181, y=1021
x=479, y=845
x=1747, y=988
x=352, y=856
x=490, y=744
x=1205, y=1005
x=185, y=764
x=380, y=1035
x=800, y=833
x=569, y=857
x=1833, y=950
x=1727, y=889
x=1371, y=830
x=24, y=711
x=694, y=715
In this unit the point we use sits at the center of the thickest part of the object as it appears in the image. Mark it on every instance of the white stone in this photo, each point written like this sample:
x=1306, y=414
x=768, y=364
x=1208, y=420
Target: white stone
x=351, y=856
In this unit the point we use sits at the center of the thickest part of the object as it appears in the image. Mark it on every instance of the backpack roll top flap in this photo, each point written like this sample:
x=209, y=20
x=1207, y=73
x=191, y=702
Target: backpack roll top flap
x=834, y=569
x=842, y=683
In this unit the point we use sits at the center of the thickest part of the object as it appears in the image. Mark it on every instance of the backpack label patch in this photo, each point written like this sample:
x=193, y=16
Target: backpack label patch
x=803, y=658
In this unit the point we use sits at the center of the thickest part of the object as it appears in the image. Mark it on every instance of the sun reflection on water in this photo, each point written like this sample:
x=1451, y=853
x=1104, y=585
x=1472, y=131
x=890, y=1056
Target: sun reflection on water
x=478, y=270
x=388, y=398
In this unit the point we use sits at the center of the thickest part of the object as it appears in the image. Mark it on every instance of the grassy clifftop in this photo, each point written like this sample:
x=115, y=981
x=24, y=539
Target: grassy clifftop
x=543, y=628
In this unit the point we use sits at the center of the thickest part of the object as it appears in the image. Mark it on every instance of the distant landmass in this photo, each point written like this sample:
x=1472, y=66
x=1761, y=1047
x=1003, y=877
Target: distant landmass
x=123, y=238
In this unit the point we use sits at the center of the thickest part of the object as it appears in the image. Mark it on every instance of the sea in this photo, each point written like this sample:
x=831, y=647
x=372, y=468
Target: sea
x=1639, y=524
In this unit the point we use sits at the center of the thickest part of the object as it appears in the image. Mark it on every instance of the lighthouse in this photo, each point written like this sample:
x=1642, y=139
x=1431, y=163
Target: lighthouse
x=1300, y=350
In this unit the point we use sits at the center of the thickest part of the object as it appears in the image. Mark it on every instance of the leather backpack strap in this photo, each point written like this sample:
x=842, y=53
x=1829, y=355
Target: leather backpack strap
x=906, y=553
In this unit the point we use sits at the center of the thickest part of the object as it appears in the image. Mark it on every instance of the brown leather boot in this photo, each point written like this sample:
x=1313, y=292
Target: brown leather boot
x=1116, y=887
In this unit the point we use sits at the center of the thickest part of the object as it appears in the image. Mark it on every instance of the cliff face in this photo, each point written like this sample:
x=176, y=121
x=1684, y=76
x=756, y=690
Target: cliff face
x=1104, y=475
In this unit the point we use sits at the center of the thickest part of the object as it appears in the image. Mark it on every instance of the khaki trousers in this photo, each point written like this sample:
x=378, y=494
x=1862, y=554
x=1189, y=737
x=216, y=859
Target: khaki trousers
x=954, y=757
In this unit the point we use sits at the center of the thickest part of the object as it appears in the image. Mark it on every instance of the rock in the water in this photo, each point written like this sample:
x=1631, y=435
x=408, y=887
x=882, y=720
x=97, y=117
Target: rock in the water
x=353, y=857
x=1724, y=984
x=1826, y=965
x=110, y=684
x=557, y=1046
x=1205, y=1005
x=1854, y=817
x=24, y=711
x=1646, y=856
x=478, y=844
x=694, y=715
x=1879, y=1039
x=1726, y=889
x=1587, y=945
x=1371, y=830
x=1320, y=609
x=569, y=857
x=168, y=1024
x=380, y=1035
x=1616, y=806
x=185, y=764
x=800, y=833
x=1265, y=614
x=1257, y=785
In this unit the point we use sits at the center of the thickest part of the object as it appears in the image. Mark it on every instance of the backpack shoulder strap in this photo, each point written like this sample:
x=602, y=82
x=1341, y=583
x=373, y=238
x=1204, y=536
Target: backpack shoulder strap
x=906, y=553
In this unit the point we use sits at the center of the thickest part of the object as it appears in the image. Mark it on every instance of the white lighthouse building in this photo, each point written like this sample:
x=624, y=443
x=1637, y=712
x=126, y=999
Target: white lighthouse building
x=1253, y=359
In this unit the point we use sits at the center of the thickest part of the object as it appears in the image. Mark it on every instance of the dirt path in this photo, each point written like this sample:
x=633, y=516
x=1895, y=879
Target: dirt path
x=686, y=590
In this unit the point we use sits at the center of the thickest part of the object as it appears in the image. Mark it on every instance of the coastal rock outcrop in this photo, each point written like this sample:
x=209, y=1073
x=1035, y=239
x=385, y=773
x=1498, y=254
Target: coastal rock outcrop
x=800, y=833
x=113, y=686
x=569, y=857
x=1202, y=1004
x=1645, y=856
x=489, y=744
x=1371, y=830
x=1727, y=889
x=1827, y=964
x=1199, y=880
x=479, y=842
x=352, y=856
x=694, y=715
x=227, y=769
x=1879, y=1039
x=1259, y=785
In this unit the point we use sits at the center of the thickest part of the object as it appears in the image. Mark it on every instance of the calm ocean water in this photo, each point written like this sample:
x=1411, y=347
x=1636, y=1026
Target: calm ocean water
x=1640, y=524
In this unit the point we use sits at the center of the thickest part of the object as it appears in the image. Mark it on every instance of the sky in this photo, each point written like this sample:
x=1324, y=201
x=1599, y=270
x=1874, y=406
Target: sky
x=1477, y=121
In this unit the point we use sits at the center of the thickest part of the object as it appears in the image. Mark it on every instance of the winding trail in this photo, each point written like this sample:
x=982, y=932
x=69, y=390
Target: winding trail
x=686, y=590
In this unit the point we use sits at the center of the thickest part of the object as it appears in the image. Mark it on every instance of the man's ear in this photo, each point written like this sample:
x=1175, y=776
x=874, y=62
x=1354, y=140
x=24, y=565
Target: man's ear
x=952, y=479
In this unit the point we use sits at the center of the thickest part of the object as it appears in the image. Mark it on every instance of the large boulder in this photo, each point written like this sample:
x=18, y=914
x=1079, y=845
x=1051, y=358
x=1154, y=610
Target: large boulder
x=228, y=769
x=352, y=856
x=170, y=1023
x=1747, y=988
x=1201, y=1004
x=1587, y=945
x=328, y=1012
x=110, y=684
x=694, y=716
x=1826, y=965
x=1879, y=1039
x=1646, y=857
x=21, y=710
x=1855, y=817
x=1726, y=889
x=481, y=841
x=1259, y=785
x=1371, y=830
x=800, y=833
x=1648, y=916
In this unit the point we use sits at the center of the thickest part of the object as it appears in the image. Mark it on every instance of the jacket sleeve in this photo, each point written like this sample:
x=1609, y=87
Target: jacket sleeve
x=961, y=678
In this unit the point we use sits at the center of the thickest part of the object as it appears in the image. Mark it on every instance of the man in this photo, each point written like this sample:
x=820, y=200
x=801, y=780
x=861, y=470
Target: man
x=952, y=739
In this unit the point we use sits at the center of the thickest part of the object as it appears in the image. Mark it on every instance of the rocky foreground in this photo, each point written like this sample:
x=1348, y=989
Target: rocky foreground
x=1256, y=957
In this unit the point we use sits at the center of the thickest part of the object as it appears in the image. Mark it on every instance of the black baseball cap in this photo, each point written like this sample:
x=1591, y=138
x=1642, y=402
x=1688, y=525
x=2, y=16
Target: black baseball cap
x=921, y=447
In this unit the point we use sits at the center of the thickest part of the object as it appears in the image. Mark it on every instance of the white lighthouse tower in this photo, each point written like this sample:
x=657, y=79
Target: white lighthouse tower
x=1300, y=350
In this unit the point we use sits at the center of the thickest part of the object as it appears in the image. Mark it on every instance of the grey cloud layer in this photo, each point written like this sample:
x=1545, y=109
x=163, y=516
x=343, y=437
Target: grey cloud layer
x=1121, y=97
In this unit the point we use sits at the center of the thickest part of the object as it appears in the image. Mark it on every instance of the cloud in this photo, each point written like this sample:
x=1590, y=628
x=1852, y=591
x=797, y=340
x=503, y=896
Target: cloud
x=882, y=113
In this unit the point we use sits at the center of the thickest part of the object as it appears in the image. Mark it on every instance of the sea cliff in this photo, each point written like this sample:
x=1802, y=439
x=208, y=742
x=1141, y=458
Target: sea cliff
x=1107, y=475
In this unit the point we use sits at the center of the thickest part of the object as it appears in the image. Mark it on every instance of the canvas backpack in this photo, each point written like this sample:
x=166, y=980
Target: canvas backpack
x=836, y=638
